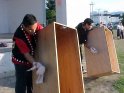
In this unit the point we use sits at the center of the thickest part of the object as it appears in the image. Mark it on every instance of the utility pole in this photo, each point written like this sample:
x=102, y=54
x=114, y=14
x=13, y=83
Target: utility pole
x=91, y=9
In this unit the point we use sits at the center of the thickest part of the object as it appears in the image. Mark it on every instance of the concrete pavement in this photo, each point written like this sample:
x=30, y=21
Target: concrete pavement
x=7, y=71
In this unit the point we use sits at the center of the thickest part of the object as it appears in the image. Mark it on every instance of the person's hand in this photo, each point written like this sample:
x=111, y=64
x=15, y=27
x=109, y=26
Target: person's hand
x=40, y=73
x=33, y=67
x=93, y=50
x=36, y=65
x=40, y=70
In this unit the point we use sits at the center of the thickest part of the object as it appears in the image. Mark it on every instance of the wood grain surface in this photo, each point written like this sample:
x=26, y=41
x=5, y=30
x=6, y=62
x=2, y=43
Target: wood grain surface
x=58, y=50
x=105, y=61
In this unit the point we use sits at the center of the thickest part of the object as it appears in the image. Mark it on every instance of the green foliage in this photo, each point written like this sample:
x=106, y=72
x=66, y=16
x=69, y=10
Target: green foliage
x=122, y=19
x=50, y=11
x=119, y=84
x=50, y=14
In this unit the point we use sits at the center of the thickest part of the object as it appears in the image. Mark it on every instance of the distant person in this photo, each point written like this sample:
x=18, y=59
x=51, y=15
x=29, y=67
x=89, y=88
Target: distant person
x=110, y=27
x=120, y=30
x=83, y=29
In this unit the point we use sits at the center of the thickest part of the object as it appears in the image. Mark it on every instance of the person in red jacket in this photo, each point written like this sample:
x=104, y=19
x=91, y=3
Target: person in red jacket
x=24, y=43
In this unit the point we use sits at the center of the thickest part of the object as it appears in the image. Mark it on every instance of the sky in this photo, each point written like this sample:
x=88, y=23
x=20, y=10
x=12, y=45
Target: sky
x=109, y=5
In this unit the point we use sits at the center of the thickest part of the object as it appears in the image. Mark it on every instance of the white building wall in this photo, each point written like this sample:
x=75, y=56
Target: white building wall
x=96, y=19
x=61, y=11
x=18, y=8
x=13, y=11
x=103, y=19
x=115, y=19
x=3, y=16
x=71, y=12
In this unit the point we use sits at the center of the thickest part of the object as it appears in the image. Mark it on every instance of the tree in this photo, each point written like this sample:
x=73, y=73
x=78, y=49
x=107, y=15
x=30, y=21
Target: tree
x=122, y=19
x=50, y=11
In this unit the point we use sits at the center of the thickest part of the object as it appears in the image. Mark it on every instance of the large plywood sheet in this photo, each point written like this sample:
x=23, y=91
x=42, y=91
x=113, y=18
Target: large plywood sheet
x=105, y=61
x=71, y=80
x=58, y=49
x=46, y=53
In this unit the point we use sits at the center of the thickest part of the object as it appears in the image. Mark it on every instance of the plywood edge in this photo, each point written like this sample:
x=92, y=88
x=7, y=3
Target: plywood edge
x=103, y=74
x=118, y=68
x=57, y=56
x=47, y=34
x=112, y=51
x=64, y=26
x=104, y=29
x=80, y=61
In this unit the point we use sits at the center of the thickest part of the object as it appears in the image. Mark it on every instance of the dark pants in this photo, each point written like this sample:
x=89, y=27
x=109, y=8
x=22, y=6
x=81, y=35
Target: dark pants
x=122, y=36
x=23, y=79
x=81, y=55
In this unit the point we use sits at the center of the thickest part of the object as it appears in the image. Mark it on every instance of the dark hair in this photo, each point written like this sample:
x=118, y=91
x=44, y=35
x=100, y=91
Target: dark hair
x=29, y=19
x=88, y=21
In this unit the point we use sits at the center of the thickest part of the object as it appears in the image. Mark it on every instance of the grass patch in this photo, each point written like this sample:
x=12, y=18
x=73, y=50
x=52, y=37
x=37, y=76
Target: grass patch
x=119, y=84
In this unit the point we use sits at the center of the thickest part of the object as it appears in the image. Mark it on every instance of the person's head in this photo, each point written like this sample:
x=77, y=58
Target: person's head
x=88, y=23
x=29, y=23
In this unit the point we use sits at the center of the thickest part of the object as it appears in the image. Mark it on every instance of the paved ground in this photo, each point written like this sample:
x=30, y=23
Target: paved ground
x=7, y=78
x=7, y=84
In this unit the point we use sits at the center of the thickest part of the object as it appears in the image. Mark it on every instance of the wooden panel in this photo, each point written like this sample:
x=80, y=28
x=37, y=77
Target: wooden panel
x=112, y=51
x=70, y=74
x=105, y=62
x=46, y=53
x=58, y=49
